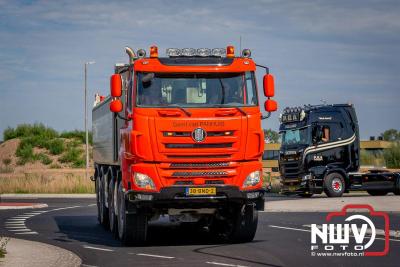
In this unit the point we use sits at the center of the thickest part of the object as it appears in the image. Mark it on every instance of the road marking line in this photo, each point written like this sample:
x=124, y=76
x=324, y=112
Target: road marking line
x=17, y=222
x=96, y=248
x=155, y=256
x=15, y=219
x=91, y=205
x=86, y=265
x=15, y=227
x=19, y=230
x=224, y=264
x=65, y=208
x=23, y=216
x=305, y=230
x=27, y=233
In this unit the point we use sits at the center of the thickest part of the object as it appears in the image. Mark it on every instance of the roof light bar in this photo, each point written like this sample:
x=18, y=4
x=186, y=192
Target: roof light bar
x=192, y=52
x=230, y=51
x=154, y=51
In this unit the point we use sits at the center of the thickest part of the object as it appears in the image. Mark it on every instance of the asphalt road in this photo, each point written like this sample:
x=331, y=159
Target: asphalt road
x=282, y=239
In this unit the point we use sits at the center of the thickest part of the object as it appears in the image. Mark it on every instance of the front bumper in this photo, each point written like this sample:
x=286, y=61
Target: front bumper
x=175, y=197
x=300, y=186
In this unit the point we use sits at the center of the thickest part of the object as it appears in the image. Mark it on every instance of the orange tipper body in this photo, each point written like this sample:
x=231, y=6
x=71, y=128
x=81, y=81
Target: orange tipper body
x=180, y=150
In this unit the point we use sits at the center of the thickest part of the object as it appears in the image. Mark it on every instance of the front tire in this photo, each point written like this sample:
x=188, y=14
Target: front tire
x=245, y=225
x=132, y=228
x=334, y=185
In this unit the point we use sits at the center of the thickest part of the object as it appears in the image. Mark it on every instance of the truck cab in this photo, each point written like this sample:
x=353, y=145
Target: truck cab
x=320, y=152
x=183, y=139
x=316, y=142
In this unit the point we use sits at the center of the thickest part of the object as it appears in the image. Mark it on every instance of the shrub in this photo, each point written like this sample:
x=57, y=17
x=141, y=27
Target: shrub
x=73, y=156
x=28, y=130
x=55, y=146
x=392, y=156
x=79, y=135
x=43, y=158
x=7, y=161
x=25, y=153
x=55, y=166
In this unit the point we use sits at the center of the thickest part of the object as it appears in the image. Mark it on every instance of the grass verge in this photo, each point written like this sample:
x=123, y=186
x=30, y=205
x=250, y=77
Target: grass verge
x=3, y=245
x=47, y=183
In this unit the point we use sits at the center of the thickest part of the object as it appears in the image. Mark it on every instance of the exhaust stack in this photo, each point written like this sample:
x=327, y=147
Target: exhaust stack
x=131, y=54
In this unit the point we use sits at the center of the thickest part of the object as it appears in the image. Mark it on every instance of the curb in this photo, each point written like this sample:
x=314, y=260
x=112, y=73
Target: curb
x=34, y=254
x=33, y=196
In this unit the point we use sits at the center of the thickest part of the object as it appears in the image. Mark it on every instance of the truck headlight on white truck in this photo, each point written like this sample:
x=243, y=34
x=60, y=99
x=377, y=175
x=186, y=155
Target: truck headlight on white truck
x=143, y=181
x=252, y=179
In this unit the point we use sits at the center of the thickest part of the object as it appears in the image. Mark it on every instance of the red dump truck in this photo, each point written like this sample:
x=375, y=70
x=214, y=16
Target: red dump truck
x=181, y=135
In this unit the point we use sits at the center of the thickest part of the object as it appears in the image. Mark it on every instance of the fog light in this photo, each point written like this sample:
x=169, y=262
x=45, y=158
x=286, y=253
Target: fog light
x=253, y=194
x=144, y=197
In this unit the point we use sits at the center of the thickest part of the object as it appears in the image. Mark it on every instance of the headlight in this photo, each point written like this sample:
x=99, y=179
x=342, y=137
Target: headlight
x=143, y=181
x=252, y=179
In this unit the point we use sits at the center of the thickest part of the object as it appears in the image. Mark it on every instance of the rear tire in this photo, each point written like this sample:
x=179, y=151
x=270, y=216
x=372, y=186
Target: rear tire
x=111, y=206
x=132, y=228
x=377, y=192
x=103, y=210
x=334, y=185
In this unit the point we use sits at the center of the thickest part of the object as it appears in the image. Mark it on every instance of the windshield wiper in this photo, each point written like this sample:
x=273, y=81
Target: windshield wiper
x=238, y=108
x=189, y=114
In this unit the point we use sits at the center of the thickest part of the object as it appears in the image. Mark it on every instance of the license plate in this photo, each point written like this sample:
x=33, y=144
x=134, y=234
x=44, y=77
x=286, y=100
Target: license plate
x=201, y=191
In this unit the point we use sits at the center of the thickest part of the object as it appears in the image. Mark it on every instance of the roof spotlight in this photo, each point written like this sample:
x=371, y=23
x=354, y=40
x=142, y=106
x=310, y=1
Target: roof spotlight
x=141, y=53
x=246, y=53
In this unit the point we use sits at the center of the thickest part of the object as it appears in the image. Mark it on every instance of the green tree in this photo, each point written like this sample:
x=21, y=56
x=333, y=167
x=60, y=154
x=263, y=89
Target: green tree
x=271, y=136
x=392, y=156
x=391, y=135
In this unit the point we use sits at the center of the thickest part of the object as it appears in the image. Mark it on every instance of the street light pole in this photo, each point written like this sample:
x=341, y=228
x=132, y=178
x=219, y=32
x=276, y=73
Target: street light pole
x=86, y=121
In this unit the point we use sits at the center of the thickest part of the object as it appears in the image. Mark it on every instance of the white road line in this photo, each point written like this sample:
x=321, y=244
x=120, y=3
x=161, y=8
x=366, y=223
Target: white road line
x=155, y=256
x=91, y=205
x=15, y=227
x=20, y=230
x=27, y=233
x=96, y=248
x=224, y=264
x=14, y=223
x=305, y=230
x=86, y=265
x=15, y=219
x=65, y=208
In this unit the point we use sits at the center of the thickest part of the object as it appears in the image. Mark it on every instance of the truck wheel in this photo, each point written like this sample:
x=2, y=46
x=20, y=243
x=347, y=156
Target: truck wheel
x=245, y=225
x=396, y=190
x=132, y=228
x=334, y=185
x=97, y=188
x=306, y=195
x=111, y=206
x=377, y=192
x=103, y=211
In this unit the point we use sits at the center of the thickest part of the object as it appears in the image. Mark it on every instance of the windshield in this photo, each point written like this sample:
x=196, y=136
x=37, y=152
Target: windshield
x=296, y=136
x=196, y=89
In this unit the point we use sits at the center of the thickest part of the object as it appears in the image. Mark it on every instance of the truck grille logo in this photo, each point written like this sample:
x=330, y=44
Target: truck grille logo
x=199, y=135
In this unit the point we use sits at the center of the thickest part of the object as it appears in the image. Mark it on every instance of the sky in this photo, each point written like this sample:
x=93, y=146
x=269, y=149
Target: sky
x=338, y=51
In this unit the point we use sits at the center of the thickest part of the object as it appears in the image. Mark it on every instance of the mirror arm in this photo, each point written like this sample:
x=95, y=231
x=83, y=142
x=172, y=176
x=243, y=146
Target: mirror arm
x=266, y=116
x=264, y=67
x=123, y=118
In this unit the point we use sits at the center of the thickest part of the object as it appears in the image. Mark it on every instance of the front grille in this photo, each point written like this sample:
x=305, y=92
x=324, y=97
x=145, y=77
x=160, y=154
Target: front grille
x=198, y=156
x=215, y=182
x=291, y=169
x=219, y=145
x=187, y=134
x=199, y=165
x=200, y=174
x=183, y=182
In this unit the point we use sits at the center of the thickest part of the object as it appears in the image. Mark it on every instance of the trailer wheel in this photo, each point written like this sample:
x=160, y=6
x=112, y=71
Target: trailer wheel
x=132, y=228
x=334, y=185
x=245, y=225
x=103, y=210
x=377, y=192
x=111, y=206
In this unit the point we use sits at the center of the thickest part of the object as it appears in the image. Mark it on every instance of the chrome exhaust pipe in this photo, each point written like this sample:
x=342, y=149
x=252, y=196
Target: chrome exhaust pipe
x=131, y=54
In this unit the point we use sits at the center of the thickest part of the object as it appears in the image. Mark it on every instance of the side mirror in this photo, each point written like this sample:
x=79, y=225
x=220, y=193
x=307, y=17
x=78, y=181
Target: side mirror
x=116, y=106
x=116, y=85
x=269, y=87
x=270, y=105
